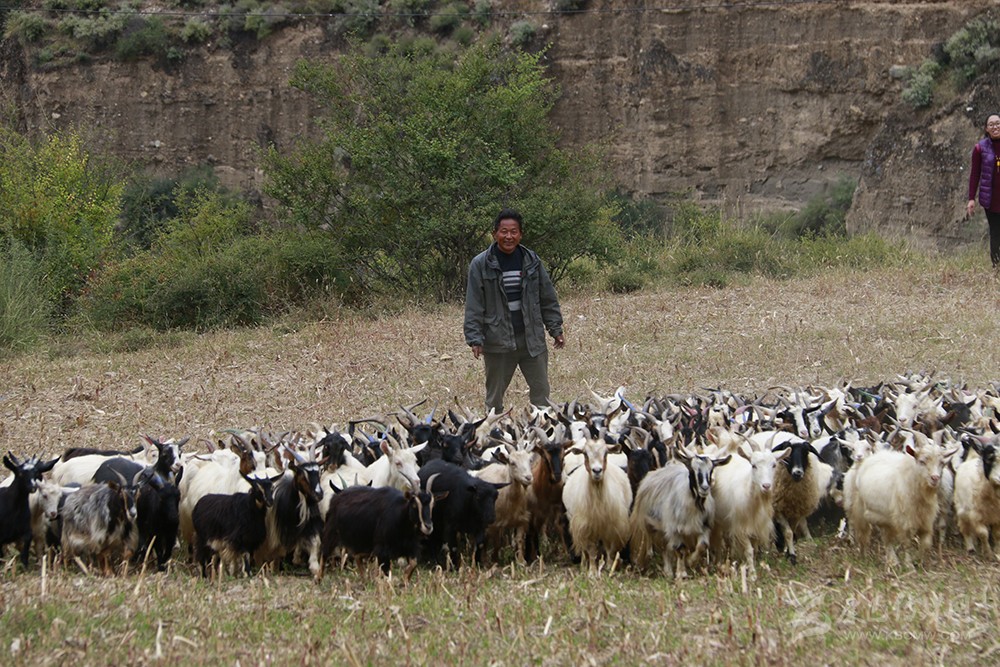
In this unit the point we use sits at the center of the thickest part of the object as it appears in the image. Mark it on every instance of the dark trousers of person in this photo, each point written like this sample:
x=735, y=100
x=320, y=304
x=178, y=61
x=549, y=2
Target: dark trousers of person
x=994, y=220
x=500, y=369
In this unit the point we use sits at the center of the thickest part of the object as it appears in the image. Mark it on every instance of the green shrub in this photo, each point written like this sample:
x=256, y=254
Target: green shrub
x=359, y=17
x=482, y=12
x=919, y=91
x=60, y=203
x=522, y=33
x=148, y=203
x=972, y=49
x=25, y=26
x=411, y=12
x=24, y=308
x=96, y=31
x=380, y=43
x=196, y=30
x=464, y=35
x=447, y=19
x=142, y=37
x=690, y=224
x=638, y=217
x=262, y=22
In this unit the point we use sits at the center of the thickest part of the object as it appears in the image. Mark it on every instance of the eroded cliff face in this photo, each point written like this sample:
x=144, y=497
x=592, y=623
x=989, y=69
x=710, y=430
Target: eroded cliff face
x=749, y=105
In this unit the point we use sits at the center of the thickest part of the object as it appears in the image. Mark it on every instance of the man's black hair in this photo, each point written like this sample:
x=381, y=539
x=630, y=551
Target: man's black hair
x=508, y=214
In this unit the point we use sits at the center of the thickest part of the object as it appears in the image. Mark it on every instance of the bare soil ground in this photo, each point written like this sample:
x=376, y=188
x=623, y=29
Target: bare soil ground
x=837, y=605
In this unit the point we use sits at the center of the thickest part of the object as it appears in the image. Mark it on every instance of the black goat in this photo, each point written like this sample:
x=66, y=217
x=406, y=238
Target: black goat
x=384, y=522
x=157, y=505
x=232, y=526
x=469, y=508
x=15, y=512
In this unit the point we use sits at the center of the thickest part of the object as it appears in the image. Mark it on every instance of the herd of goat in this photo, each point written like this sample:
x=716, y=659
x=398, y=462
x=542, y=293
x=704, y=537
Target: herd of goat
x=693, y=480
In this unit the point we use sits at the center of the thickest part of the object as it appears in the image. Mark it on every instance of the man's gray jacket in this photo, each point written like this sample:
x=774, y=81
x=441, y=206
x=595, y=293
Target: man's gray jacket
x=487, y=317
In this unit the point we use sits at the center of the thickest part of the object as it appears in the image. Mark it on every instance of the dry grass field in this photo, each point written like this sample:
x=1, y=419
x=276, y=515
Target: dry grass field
x=837, y=606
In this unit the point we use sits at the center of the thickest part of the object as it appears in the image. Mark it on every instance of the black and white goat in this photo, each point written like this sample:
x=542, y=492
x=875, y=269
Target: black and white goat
x=674, y=510
x=157, y=505
x=98, y=522
x=293, y=521
x=15, y=511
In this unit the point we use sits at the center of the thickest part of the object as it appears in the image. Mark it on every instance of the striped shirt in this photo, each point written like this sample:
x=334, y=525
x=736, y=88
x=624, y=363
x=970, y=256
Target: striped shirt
x=511, y=267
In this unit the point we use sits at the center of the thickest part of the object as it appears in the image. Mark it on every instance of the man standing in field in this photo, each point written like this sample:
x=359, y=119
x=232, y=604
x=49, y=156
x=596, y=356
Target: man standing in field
x=510, y=303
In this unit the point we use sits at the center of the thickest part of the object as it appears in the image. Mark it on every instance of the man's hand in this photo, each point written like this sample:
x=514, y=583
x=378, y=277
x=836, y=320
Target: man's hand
x=970, y=208
x=560, y=342
x=476, y=351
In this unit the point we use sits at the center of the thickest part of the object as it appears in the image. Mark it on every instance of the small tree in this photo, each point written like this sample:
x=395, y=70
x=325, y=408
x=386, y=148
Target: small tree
x=420, y=152
x=60, y=204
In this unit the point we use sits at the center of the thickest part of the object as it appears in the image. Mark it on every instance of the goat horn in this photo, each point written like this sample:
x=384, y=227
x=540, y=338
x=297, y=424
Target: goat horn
x=430, y=482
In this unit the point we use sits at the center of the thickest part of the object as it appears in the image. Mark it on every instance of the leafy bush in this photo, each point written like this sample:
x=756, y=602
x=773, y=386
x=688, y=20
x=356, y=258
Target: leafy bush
x=825, y=215
x=142, y=37
x=638, y=217
x=972, y=49
x=464, y=35
x=24, y=309
x=59, y=203
x=411, y=12
x=692, y=225
x=208, y=269
x=482, y=12
x=148, y=203
x=196, y=30
x=262, y=22
x=419, y=154
x=447, y=19
x=522, y=32
x=96, y=31
x=25, y=26
x=359, y=17
x=919, y=91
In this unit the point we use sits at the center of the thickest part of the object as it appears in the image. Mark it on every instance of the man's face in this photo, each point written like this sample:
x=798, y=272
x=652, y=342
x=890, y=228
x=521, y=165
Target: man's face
x=507, y=236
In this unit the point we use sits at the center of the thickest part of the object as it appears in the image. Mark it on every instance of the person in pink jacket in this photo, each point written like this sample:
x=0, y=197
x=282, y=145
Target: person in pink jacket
x=984, y=177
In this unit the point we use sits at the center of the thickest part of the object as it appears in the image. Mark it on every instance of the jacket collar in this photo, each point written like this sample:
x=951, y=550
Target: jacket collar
x=529, y=257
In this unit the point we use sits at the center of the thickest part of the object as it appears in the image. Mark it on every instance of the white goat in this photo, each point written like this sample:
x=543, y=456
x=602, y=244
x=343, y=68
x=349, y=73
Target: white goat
x=674, y=510
x=896, y=492
x=744, y=510
x=397, y=468
x=597, y=497
x=512, y=514
x=977, y=495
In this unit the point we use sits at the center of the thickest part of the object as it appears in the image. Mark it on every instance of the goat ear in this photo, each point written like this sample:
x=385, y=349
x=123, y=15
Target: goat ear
x=9, y=462
x=723, y=461
x=500, y=456
x=48, y=465
x=438, y=497
x=812, y=450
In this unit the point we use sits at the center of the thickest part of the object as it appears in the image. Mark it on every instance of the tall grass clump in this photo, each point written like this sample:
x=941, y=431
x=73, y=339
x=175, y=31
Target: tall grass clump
x=24, y=310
